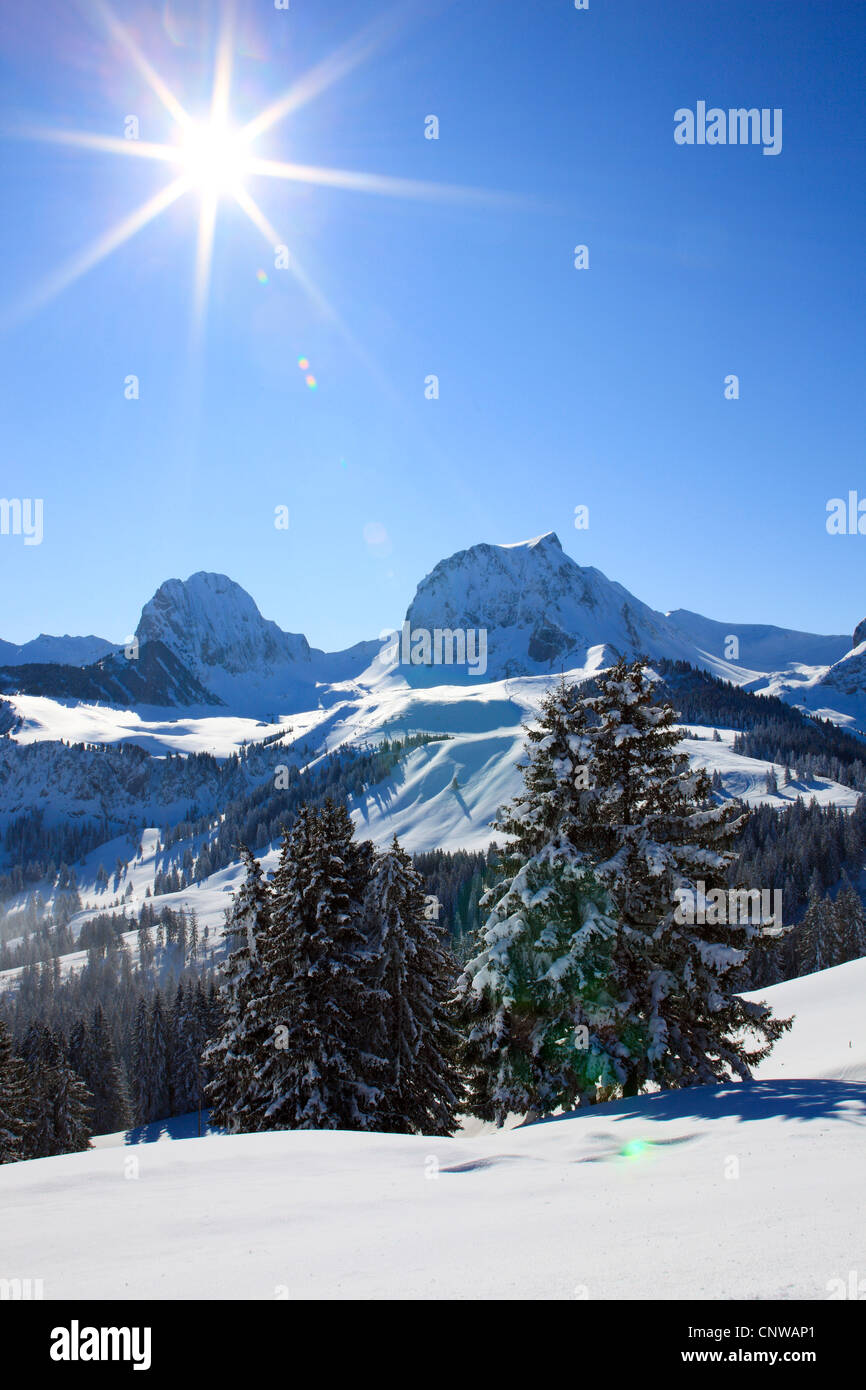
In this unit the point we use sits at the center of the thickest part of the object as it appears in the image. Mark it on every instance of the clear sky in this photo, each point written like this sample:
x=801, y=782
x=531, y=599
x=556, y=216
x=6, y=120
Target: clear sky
x=558, y=387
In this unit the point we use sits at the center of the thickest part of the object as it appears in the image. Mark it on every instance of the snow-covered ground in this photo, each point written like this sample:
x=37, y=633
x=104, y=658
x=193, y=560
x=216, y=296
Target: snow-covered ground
x=745, y=1191
x=828, y=1038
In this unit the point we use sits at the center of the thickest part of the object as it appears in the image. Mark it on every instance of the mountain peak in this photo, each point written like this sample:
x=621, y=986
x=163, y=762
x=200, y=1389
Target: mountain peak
x=548, y=539
x=539, y=609
x=211, y=623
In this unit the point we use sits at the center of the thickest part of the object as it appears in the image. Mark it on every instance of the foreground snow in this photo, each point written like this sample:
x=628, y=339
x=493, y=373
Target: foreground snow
x=634, y=1200
x=751, y=1191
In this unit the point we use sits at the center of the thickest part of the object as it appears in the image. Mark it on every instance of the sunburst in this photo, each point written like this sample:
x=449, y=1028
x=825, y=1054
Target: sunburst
x=214, y=159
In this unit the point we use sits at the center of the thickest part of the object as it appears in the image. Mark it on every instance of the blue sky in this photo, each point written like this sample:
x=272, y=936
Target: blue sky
x=558, y=387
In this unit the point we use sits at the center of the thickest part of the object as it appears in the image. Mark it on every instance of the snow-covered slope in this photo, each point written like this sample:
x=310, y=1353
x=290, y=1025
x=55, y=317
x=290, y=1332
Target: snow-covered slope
x=848, y=675
x=761, y=647
x=717, y=1193
x=615, y=1202
x=542, y=612
x=419, y=802
x=837, y=692
x=828, y=1038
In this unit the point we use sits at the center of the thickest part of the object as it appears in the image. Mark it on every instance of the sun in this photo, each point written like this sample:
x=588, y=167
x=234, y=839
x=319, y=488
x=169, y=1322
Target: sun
x=213, y=158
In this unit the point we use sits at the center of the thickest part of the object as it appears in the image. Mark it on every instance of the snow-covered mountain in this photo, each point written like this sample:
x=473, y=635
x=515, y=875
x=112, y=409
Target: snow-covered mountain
x=836, y=691
x=849, y=674
x=529, y=608
x=213, y=665
x=761, y=647
x=215, y=628
x=62, y=651
x=544, y=612
x=541, y=611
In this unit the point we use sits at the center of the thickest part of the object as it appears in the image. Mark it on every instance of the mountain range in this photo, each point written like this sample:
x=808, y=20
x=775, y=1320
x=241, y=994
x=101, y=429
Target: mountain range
x=202, y=644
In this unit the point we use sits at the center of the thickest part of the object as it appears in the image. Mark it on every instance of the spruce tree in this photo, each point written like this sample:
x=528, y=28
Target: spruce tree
x=611, y=826
x=318, y=1071
x=850, y=922
x=819, y=938
x=142, y=1096
x=237, y=1050
x=102, y=1077
x=186, y=1046
x=414, y=978
x=544, y=1025
x=14, y=1101
x=72, y=1109
x=159, y=1056
x=59, y=1102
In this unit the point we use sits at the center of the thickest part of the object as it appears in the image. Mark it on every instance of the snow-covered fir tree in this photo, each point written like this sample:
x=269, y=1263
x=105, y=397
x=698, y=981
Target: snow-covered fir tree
x=543, y=1023
x=850, y=922
x=95, y=1061
x=59, y=1103
x=238, y=1049
x=159, y=1051
x=71, y=1110
x=140, y=1086
x=186, y=1046
x=611, y=825
x=318, y=1071
x=414, y=976
x=819, y=935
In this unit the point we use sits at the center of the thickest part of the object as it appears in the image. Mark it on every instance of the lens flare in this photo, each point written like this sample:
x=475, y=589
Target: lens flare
x=635, y=1148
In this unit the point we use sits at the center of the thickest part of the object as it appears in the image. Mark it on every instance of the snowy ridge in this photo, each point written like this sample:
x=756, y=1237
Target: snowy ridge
x=761, y=647
x=65, y=651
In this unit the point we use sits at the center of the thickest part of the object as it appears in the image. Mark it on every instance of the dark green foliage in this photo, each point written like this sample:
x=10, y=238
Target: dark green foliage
x=414, y=978
x=15, y=1099
x=59, y=1104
